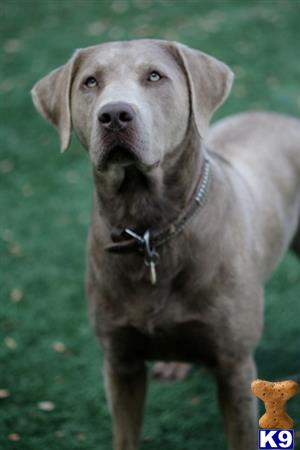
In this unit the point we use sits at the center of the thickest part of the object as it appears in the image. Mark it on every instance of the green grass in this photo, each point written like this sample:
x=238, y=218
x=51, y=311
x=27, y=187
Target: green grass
x=45, y=202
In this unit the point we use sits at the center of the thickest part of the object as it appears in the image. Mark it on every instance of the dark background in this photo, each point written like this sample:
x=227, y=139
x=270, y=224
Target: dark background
x=48, y=352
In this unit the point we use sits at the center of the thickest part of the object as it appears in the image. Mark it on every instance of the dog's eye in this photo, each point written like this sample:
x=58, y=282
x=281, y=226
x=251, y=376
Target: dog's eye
x=90, y=82
x=154, y=76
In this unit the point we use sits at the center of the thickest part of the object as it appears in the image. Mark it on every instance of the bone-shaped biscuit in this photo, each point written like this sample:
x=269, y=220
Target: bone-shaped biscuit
x=275, y=395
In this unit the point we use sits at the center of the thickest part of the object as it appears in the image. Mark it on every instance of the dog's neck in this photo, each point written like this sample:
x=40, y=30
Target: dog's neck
x=130, y=198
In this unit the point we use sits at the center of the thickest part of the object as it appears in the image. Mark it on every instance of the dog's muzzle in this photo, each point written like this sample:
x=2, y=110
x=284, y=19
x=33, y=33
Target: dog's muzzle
x=118, y=154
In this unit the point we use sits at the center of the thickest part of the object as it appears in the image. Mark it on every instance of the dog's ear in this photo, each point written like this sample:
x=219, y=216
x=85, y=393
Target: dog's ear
x=51, y=97
x=209, y=82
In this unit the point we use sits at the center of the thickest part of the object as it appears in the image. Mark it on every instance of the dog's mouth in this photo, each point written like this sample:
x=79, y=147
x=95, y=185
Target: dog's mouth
x=124, y=155
x=118, y=154
x=121, y=154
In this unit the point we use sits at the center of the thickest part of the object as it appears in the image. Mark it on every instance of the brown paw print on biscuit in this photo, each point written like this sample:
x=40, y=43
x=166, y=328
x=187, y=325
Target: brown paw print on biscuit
x=275, y=395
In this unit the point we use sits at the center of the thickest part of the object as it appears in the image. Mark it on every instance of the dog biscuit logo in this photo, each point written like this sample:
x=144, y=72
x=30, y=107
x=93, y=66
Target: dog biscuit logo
x=276, y=426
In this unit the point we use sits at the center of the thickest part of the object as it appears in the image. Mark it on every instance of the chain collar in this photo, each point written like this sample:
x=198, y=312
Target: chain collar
x=147, y=243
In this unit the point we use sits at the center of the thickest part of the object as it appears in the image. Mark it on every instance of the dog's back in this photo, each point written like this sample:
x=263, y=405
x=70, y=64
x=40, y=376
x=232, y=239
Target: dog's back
x=264, y=149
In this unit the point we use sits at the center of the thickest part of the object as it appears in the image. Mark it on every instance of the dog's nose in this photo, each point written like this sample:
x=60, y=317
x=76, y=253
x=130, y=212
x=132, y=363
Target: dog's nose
x=116, y=116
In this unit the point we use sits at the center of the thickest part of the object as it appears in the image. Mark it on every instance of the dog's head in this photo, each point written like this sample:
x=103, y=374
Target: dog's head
x=132, y=102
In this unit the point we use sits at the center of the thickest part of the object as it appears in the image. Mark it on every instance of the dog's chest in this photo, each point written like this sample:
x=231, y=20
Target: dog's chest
x=164, y=323
x=188, y=340
x=146, y=306
x=169, y=320
x=182, y=293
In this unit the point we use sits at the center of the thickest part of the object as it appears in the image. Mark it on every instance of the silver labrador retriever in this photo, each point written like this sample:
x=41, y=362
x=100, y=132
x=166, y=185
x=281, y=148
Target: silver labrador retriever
x=187, y=223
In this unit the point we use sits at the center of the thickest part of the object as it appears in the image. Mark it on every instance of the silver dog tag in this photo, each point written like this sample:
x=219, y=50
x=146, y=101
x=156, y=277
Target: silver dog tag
x=153, y=277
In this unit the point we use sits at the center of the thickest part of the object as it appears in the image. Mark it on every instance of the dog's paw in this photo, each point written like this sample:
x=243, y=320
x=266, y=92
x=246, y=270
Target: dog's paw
x=173, y=371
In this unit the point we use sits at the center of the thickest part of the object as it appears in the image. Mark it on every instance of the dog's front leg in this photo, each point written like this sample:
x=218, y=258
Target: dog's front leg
x=126, y=391
x=238, y=404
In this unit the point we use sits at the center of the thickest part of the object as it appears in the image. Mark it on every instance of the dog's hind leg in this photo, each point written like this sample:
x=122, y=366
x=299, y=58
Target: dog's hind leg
x=126, y=391
x=295, y=246
x=170, y=371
